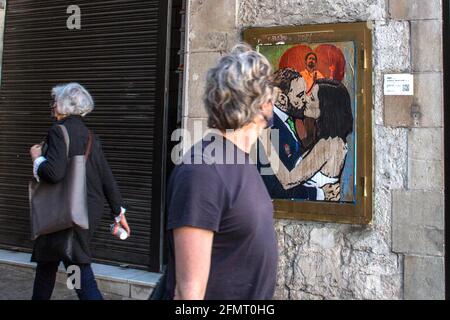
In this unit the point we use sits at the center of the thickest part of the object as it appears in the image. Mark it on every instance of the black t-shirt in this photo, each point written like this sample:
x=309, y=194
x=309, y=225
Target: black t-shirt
x=232, y=201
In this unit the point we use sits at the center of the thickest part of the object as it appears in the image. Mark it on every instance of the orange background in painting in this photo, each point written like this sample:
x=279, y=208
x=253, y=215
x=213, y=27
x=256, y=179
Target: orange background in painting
x=327, y=55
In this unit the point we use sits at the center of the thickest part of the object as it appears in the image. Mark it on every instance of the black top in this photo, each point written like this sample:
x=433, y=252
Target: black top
x=232, y=201
x=100, y=184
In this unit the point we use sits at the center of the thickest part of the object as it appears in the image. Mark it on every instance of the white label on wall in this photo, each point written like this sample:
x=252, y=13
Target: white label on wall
x=398, y=84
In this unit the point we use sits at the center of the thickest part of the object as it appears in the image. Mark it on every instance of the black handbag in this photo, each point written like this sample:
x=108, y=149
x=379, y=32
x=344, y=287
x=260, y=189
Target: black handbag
x=60, y=206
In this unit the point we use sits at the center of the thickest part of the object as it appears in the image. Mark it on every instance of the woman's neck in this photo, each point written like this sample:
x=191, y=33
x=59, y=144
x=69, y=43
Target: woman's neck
x=243, y=138
x=61, y=117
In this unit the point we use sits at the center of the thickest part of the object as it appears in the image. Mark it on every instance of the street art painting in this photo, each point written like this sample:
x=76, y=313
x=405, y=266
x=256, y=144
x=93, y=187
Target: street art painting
x=314, y=116
x=315, y=158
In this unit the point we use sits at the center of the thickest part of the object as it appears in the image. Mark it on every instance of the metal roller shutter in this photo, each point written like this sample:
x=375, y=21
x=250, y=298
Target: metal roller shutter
x=119, y=56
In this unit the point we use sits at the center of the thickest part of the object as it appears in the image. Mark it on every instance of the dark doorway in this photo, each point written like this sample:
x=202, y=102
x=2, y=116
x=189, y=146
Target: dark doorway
x=120, y=54
x=174, y=111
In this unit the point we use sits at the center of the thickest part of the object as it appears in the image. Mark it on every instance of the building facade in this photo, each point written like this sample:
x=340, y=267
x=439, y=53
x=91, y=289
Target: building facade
x=401, y=253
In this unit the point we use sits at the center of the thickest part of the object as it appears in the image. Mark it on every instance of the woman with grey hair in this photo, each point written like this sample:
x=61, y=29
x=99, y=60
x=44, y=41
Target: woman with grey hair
x=220, y=216
x=71, y=102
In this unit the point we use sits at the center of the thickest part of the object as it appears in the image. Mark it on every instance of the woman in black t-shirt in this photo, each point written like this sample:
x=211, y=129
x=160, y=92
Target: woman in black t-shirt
x=222, y=242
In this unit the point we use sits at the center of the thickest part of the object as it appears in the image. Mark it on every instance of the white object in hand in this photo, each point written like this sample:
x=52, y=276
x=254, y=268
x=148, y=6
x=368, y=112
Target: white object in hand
x=119, y=232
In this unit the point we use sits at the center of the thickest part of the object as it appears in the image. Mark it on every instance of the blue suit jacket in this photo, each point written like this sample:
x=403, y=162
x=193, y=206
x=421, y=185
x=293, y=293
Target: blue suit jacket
x=289, y=151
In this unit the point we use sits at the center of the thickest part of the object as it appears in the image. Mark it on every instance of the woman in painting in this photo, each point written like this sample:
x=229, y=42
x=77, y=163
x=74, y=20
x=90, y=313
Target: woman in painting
x=294, y=136
x=322, y=165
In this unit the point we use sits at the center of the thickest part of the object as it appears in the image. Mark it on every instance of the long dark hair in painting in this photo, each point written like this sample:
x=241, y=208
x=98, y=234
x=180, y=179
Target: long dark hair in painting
x=336, y=119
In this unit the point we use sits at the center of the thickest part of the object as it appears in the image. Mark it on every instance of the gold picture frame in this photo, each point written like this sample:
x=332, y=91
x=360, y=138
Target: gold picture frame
x=358, y=36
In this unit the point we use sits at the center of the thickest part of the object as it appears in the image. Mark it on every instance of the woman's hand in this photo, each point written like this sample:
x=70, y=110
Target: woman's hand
x=124, y=224
x=36, y=151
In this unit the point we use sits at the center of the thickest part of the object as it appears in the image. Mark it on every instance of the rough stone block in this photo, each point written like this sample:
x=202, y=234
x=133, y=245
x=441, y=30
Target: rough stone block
x=199, y=64
x=425, y=159
x=415, y=9
x=418, y=222
x=323, y=238
x=426, y=51
x=298, y=12
x=114, y=287
x=209, y=41
x=392, y=46
x=139, y=292
x=428, y=92
x=382, y=214
x=378, y=98
x=327, y=261
x=397, y=111
x=391, y=152
x=426, y=144
x=232, y=39
x=427, y=101
x=424, y=278
x=210, y=21
x=426, y=175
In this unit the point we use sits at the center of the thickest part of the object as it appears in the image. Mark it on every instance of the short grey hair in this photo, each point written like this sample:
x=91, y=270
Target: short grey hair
x=72, y=99
x=237, y=87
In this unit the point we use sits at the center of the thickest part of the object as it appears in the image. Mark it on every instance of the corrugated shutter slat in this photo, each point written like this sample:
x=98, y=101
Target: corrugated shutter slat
x=115, y=56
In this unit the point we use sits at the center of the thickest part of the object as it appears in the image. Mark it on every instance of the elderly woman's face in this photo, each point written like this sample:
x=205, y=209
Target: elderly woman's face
x=53, y=109
x=54, y=112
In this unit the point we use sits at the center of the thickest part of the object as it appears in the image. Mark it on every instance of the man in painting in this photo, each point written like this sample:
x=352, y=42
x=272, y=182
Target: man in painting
x=322, y=165
x=310, y=74
x=291, y=148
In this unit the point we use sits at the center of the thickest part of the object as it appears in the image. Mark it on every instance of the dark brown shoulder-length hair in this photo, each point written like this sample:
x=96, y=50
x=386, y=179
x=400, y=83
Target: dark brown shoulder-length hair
x=336, y=118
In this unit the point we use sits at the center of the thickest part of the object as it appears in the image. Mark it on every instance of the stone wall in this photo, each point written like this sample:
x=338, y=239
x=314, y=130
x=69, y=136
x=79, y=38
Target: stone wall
x=400, y=254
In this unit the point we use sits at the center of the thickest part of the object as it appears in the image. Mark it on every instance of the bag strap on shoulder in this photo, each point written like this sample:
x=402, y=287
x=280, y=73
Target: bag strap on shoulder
x=66, y=138
x=67, y=141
